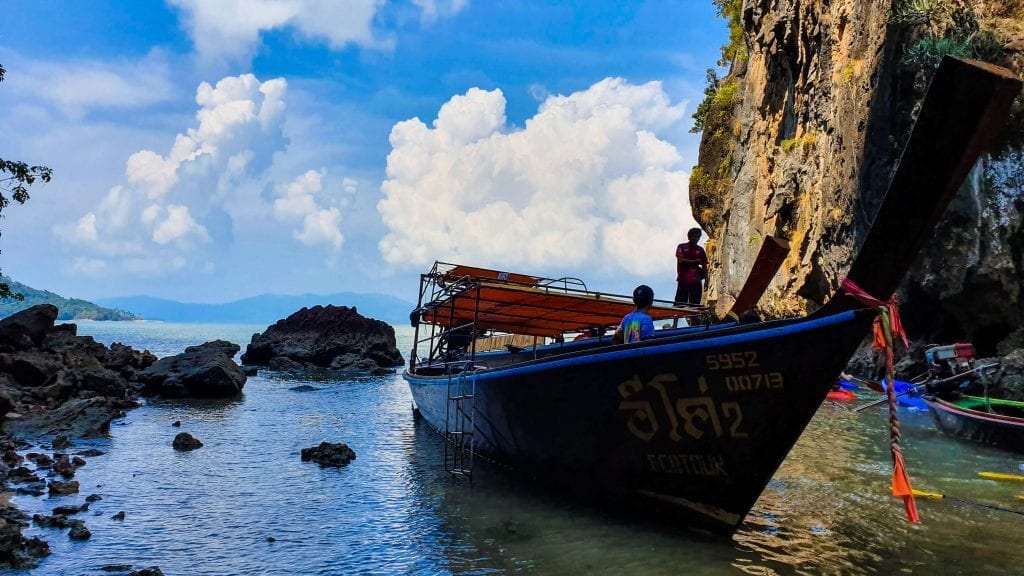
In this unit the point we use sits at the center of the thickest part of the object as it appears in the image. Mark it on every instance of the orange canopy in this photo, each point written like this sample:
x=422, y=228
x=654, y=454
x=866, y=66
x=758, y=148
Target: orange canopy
x=536, y=311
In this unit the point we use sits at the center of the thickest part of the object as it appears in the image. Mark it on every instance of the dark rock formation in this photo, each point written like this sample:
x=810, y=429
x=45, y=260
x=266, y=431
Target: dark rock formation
x=331, y=337
x=25, y=329
x=204, y=371
x=55, y=521
x=91, y=452
x=185, y=442
x=79, y=531
x=80, y=417
x=16, y=550
x=55, y=381
x=328, y=454
x=151, y=571
x=63, y=466
x=58, y=488
x=70, y=509
x=118, y=516
x=304, y=388
x=1008, y=383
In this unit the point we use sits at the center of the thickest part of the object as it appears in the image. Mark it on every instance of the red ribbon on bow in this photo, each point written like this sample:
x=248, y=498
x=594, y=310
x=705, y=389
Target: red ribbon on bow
x=887, y=325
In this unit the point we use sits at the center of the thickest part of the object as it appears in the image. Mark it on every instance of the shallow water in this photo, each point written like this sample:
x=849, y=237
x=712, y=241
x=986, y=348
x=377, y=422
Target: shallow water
x=394, y=510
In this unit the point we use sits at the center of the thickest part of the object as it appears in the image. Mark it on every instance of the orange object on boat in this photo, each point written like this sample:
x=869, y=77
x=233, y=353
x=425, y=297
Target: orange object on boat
x=841, y=395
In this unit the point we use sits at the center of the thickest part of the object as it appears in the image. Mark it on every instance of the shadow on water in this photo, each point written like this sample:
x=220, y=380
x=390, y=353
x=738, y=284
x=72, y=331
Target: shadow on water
x=394, y=510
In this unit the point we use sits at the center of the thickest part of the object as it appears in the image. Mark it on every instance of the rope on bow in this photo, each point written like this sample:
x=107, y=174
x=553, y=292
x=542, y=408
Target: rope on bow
x=887, y=327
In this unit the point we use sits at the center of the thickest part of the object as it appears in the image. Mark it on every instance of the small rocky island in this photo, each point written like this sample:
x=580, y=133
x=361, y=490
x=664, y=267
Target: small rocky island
x=335, y=338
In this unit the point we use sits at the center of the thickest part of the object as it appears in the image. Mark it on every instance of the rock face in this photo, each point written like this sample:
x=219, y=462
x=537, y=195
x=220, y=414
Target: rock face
x=329, y=454
x=332, y=337
x=59, y=382
x=204, y=371
x=802, y=136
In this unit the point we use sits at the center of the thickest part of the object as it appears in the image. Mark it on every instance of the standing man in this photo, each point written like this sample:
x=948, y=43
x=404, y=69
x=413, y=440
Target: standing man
x=691, y=269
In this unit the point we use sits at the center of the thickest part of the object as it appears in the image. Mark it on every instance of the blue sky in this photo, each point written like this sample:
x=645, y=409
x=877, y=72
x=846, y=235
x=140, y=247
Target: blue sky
x=209, y=151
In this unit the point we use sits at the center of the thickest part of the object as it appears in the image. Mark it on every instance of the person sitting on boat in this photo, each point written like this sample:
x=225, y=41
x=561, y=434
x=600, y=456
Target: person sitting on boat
x=691, y=269
x=637, y=325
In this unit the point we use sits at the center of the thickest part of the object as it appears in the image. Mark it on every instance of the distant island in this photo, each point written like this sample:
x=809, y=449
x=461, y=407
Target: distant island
x=262, y=309
x=70, y=308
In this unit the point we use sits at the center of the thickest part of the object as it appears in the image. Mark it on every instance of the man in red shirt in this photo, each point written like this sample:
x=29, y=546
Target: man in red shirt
x=691, y=269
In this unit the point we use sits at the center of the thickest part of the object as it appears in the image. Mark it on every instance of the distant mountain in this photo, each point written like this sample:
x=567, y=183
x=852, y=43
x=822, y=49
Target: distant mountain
x=263, y=309
x=69, y=308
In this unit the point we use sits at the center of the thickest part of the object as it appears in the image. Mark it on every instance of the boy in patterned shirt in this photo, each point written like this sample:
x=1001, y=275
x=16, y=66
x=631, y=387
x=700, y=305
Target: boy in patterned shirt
x=637, y=325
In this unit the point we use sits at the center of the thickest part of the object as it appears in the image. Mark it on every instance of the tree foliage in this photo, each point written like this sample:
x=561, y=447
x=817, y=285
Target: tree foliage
x=16, y=178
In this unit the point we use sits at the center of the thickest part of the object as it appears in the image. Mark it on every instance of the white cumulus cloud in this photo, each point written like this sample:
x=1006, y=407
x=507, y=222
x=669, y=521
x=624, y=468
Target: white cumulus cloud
x=229, y=30
x=586, y=181
x=174, y=202
x=300, y=200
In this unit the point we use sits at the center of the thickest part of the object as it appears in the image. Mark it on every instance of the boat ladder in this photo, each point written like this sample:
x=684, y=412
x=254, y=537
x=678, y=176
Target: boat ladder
x=458, y=427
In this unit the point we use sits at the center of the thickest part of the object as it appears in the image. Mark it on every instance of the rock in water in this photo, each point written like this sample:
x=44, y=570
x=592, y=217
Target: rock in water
x=151, y=571
x=79, y=531
x=328, y=454
x=185, y=441
x=204, y=371
x=334, y=337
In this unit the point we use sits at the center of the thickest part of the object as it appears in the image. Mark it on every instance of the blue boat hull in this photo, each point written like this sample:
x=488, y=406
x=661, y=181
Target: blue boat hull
x=689, y=428
x=993, y=429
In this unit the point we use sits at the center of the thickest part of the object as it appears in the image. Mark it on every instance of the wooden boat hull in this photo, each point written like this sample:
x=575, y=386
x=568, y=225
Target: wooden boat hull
x=689, y=428
x=1005, y=432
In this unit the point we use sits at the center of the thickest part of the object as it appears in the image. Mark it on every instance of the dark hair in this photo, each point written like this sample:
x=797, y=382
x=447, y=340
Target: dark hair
x=693, y=231
x=643, y=295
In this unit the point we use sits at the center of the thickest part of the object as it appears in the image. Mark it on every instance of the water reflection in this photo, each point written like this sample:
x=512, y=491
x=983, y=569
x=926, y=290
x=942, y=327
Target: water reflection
x=395, y=511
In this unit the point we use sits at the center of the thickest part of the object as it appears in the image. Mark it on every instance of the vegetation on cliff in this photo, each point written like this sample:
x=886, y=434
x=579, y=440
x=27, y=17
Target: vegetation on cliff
x=714, y=117
x=70, y=308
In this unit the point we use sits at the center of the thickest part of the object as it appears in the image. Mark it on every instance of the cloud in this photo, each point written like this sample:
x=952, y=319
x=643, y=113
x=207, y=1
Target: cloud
x=298, y=201
x=77, y=87
x=587, y=181
x=229, y=30
x=173, y=203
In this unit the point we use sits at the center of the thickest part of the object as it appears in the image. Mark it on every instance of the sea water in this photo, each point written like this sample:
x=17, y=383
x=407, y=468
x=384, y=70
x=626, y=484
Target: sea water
x=245, y=504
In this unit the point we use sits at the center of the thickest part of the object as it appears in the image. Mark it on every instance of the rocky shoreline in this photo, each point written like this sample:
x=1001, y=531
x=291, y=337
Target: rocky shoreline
x=57, y=387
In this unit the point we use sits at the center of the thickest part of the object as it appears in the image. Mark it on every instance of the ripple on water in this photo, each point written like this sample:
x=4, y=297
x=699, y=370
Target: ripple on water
x=393, y=510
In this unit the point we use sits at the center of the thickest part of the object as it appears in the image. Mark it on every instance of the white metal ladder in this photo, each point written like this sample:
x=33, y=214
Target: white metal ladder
x=458, y=423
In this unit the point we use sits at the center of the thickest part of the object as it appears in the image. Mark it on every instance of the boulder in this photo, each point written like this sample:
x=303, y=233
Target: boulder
x=328, y=454
x=204, y=371
x=79, y=531
x=151, y=571
x=185, y=442
x=16, y=550
x=333, y=337
x=58, y=488
x=24, y=329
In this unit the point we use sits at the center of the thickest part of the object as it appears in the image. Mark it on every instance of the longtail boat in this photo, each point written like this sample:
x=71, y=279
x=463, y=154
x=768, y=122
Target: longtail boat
x=690, y=425
x=987, y=420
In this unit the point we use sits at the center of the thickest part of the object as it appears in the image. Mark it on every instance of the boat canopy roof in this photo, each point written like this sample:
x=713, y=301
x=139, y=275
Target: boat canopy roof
x=524, y=304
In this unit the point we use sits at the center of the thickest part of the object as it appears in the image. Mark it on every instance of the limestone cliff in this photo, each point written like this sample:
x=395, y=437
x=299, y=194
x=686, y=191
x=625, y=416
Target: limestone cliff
x=801, y=137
